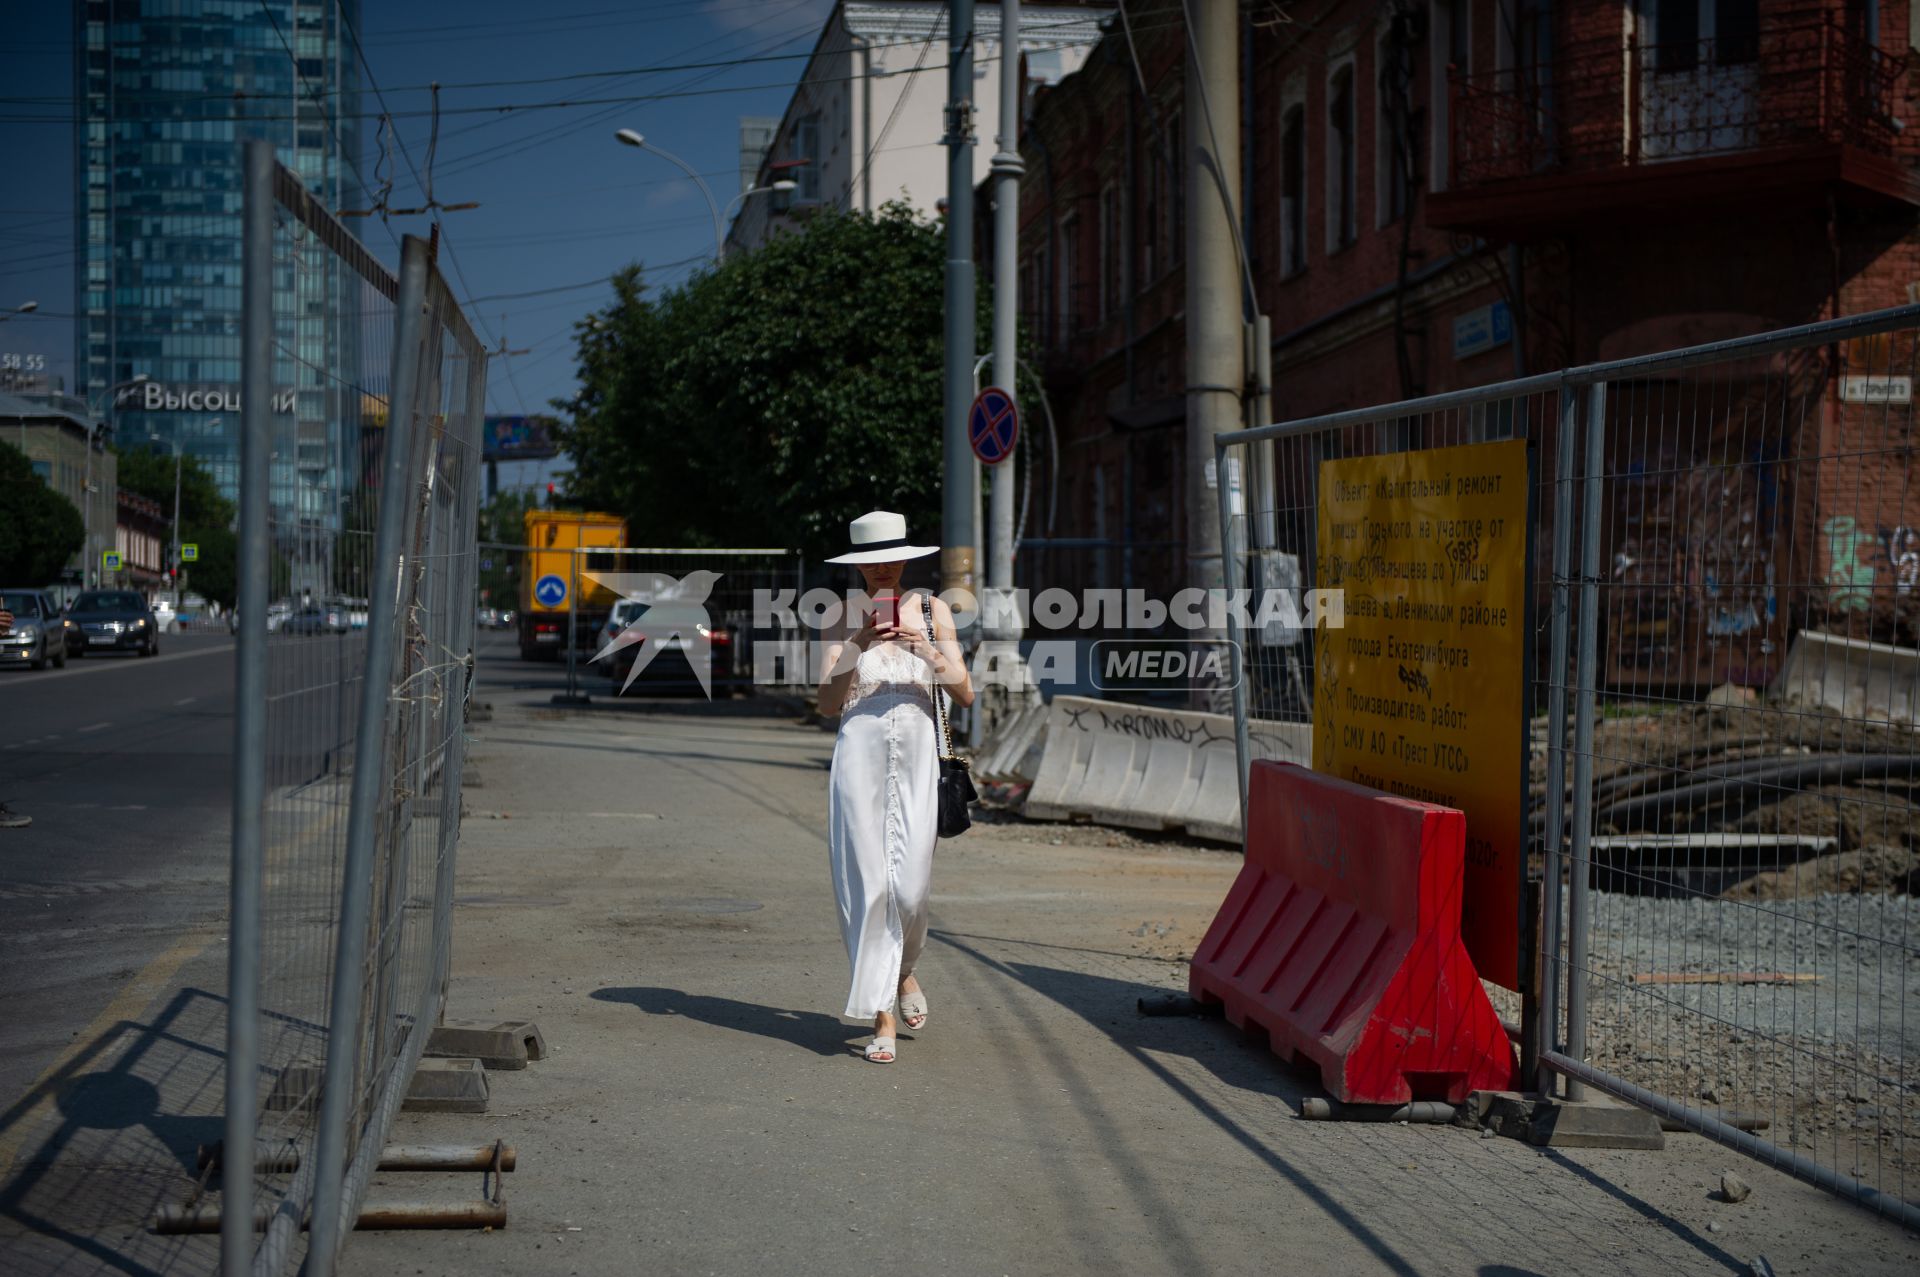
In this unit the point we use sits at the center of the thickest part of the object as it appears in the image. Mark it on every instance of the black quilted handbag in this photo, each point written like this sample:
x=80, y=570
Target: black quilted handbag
x=956, y=777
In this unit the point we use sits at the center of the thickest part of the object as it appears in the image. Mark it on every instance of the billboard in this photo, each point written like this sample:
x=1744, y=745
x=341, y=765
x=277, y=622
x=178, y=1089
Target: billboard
x=518, y=439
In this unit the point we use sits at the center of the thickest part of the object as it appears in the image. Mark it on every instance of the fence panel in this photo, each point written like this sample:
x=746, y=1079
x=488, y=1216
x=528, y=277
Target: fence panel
x=1722, y=794
x=1745, y=771
x=358, y=569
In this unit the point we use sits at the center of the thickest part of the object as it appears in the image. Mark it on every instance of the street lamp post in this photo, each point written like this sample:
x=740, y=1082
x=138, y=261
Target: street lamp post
x=630, y=137
x=90, y=566
x=24, y=308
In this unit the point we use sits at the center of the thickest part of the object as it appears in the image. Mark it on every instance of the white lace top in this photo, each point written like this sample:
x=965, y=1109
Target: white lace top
x=892, y=670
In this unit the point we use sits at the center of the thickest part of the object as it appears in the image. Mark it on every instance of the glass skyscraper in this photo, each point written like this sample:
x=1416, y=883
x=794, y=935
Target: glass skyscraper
x=166, y=93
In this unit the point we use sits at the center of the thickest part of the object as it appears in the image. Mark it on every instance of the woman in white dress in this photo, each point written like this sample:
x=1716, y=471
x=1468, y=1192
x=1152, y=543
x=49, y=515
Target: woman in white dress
x=881, y=804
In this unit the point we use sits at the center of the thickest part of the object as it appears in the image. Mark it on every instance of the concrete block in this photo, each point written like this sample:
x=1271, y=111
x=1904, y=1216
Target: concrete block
x=447, y=1086
x=1556, y=1124
x=509, y=1044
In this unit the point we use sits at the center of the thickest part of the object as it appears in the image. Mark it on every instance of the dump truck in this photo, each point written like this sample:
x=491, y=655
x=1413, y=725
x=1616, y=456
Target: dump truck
x=554, y=584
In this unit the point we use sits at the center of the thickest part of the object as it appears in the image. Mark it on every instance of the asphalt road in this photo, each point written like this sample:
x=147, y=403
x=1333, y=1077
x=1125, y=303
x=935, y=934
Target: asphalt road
x=125, y=765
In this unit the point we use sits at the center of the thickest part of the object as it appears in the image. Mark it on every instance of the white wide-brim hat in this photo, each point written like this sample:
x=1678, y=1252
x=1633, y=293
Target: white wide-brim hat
x=881, y=537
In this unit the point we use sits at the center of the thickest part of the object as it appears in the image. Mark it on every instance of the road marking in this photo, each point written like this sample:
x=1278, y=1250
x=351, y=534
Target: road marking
x=94, y=727
x=38, y=1103
x=185, y=700
x=101, y=667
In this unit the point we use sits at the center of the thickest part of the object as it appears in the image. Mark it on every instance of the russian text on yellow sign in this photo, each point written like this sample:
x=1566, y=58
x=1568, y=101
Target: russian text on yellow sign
x=1422, y=692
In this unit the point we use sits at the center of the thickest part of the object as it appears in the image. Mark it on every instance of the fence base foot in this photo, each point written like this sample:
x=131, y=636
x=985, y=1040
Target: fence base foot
x=1557, y=1124
x=509, y=1044
x=576, y=698
x=447, y=1086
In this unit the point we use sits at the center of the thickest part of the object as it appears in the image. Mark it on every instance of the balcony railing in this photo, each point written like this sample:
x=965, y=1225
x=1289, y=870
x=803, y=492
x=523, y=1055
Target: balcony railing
x=1788, y=83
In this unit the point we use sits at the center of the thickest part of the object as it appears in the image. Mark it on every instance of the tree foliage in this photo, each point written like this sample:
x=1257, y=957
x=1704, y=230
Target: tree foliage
x=206, y=517
x=39, y=528
x=771, y=400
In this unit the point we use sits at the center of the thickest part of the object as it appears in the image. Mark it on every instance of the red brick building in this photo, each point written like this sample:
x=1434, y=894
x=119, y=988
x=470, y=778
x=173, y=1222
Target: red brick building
x=1447, y=193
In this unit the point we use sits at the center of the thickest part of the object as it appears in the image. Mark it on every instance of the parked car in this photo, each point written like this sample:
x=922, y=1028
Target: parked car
x=356, y=613
x=116, y=621
x=277, y=613
x=486, y=618
x=674, y=634
x=316, y=619
x=39, y=634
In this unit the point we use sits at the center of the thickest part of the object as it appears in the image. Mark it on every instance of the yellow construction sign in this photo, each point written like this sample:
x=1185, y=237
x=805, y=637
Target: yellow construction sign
x=1422, y=692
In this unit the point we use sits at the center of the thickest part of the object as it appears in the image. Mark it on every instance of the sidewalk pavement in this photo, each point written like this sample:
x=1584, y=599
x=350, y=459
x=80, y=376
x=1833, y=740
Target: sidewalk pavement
x=649, y=882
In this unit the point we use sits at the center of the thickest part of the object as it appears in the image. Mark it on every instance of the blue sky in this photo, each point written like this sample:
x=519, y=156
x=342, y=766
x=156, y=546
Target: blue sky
x=560, y=201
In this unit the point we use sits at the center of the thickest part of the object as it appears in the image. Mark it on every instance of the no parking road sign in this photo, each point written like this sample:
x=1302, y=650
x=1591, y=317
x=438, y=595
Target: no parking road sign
x=993, y=424
x=550, y=591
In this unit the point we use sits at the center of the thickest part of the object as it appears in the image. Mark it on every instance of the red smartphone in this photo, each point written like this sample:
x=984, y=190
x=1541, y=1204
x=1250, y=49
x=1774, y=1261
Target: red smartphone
x=886, y=608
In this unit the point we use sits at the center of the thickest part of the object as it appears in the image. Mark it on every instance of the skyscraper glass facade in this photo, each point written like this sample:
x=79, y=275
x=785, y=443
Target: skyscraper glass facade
x=167, y=91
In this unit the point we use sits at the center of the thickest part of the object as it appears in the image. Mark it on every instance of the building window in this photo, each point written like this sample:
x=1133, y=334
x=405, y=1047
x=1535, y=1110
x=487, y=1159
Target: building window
x=1109, y=249
x=1070, y=318
x=806, y=146
x=1176, y=201
x=1452, y=51
x=1396, y=145
x=1149, y=224
x=1341, y=133
x=1293, y=191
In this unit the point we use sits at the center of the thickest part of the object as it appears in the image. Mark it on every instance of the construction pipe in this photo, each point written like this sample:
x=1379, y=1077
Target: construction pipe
x=176, y=1220
x=1801, y=773
x=1426, y=1112
x=396, y=1157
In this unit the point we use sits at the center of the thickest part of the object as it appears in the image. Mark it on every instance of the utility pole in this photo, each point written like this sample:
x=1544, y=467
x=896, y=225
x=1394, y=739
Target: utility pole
x=999, y=672
x=175, y=563
x=1216, y=338
x=957, y=487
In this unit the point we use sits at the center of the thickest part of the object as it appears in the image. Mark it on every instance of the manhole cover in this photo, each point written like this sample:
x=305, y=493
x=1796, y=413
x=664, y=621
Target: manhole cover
x=708, y=904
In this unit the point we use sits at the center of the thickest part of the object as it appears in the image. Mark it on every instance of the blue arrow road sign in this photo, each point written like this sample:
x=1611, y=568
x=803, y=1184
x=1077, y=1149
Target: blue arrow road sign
x=550, y=591
x=992, y=425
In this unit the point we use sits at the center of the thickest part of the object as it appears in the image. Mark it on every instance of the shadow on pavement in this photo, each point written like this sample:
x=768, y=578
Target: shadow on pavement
x=821, y=1034
x=1110, y=1004
x=111, y=1136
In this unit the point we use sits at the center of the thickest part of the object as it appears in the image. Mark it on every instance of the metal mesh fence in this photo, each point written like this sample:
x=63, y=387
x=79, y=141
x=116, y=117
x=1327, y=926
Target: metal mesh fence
x=1722, y=694
x=360, y=478
x=679, y=618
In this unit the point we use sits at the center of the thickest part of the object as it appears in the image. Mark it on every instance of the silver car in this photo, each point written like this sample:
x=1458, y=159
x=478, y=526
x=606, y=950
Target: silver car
x=39, y=636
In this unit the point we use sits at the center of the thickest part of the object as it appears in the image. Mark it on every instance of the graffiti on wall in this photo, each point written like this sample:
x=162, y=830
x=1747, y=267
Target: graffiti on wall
x=1695, y=560
x=1850, y=571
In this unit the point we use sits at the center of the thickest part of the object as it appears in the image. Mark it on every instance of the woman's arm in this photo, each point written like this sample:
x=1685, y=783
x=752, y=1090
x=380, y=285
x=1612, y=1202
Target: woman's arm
x=949, y=664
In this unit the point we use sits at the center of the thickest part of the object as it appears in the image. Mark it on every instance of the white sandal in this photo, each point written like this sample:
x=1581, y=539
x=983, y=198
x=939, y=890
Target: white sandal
x=880, y=1046
x=913, y=1009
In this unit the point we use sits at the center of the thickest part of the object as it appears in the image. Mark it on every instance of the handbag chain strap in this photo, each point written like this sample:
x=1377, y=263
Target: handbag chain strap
x=939, y=710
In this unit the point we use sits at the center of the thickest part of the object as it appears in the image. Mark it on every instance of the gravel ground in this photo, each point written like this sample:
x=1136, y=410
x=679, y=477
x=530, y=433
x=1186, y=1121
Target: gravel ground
x=1829, y=1059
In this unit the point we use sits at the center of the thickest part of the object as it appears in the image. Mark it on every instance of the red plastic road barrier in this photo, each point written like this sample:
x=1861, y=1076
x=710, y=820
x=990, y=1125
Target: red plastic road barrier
x=1341, y=938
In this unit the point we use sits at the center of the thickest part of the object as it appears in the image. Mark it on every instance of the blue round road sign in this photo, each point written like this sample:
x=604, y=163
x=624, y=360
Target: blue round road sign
x=550, y=591
x=993, y=425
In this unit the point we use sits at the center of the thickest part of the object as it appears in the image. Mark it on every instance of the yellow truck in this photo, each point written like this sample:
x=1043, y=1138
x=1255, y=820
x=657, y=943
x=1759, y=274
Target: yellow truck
x=550, y=594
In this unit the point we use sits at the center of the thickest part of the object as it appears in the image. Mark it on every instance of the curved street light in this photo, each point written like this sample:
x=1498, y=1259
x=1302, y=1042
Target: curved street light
x=24, y=308
x=630, y=137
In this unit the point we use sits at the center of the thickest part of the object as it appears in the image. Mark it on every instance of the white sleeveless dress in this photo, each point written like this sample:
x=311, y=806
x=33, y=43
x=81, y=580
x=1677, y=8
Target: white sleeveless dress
x=881, y=818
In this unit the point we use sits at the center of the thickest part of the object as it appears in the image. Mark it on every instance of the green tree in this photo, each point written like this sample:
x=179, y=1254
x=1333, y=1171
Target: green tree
x=39, y=529
x=206, y=517
x=770, y=400
x=503, y=521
